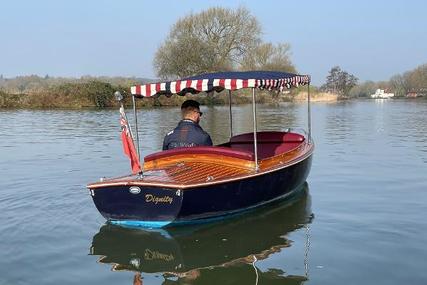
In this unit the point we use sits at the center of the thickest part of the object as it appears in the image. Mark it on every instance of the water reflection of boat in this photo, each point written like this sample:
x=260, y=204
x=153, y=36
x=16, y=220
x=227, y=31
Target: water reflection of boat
x=224, y=249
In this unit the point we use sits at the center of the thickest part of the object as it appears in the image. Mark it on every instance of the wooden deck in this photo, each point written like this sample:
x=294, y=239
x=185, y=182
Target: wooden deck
x=183, y=171
x=195, y=172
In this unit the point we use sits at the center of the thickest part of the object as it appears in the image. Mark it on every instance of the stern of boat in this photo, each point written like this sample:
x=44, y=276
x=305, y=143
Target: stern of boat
x=135, y=205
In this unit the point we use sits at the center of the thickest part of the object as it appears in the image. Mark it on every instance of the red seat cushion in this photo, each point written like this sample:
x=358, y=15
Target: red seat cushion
x=202, y=150
x=268, y=137
x=269, y=143
x=241, y=146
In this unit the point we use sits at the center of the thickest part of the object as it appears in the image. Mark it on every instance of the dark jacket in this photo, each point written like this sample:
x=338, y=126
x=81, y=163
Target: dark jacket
x=186, y=134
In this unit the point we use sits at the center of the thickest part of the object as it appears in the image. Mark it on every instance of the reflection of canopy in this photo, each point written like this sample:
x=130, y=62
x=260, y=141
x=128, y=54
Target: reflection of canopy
x=270, y=80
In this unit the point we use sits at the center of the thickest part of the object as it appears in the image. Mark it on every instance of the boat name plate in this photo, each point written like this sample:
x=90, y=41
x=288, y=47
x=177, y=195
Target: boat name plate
x=150, y=198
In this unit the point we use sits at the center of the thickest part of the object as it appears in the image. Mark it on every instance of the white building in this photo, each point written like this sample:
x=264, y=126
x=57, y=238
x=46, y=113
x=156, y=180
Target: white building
x=381, y=94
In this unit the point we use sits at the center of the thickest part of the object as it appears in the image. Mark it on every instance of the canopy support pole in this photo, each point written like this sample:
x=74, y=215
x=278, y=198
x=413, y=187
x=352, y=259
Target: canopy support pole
x=255, y=129
x=231, y=114
x=309, y=112
x=136, y=127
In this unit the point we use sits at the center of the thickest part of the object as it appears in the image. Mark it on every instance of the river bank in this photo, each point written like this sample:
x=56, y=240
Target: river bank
x=317, y=96
x=98, y=94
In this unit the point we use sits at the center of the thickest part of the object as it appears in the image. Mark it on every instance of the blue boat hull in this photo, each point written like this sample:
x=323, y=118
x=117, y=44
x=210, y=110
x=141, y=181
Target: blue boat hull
x=162, y=206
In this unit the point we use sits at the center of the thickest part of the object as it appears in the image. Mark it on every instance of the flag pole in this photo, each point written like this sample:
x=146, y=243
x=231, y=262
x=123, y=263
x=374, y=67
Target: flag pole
x=136, y=127
x=119, y=98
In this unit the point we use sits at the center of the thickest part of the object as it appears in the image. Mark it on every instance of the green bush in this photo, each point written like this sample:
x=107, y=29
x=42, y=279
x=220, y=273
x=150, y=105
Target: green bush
x=9, y=100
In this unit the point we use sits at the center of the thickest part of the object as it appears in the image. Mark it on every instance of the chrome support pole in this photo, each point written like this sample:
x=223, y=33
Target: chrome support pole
x=231, y=114
x=136, y=127
x=255, y=129
x=309, y=113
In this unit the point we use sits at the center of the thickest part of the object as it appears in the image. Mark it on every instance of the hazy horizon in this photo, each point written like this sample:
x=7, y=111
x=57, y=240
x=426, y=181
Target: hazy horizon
x=373, y=41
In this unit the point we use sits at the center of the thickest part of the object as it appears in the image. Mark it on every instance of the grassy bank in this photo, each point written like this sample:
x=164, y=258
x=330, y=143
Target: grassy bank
x=92, y=94
x=317, y=96
x=98, y=94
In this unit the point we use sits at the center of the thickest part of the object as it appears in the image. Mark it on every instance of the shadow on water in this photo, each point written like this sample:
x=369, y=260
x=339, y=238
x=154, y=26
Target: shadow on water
x=216, y=253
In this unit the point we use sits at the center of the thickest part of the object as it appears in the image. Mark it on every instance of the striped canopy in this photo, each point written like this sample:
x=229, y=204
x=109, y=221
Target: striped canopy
x=270, y=80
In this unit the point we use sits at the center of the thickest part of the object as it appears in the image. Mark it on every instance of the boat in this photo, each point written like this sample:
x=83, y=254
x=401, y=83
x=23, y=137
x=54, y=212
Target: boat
x=201, y=184
x=381, y=94
x=230, y=247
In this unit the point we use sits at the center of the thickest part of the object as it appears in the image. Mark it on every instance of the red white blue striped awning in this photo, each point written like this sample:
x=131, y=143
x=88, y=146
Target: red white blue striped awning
x=269, y=80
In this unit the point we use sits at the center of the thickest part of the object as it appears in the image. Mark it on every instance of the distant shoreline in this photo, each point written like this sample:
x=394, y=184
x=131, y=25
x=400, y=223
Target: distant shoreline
x=52, y=101
x=99, y=95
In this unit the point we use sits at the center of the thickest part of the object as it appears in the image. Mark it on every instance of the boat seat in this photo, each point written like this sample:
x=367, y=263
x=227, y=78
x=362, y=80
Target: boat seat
x=214, y=150
x=268, y=137
x=269, y=143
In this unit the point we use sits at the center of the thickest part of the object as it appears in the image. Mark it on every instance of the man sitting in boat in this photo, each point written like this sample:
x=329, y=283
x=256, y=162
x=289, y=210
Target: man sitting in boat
x=188, y=133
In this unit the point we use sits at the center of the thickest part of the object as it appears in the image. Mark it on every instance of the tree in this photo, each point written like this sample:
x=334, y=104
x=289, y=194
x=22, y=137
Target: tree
x=411, y=81
x=399, y=85
x=267, y=56
x=417, y=78
x=213, y=40
x=339, y=81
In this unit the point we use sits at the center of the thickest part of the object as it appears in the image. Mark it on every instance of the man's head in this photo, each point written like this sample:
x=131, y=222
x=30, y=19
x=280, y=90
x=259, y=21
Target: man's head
x=190, y=109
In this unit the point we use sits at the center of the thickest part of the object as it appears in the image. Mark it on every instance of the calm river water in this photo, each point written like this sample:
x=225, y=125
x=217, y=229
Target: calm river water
x=361, y=220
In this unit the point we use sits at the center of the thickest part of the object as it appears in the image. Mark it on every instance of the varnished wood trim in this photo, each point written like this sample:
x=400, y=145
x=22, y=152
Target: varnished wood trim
x=307, y=148
x=282, y=158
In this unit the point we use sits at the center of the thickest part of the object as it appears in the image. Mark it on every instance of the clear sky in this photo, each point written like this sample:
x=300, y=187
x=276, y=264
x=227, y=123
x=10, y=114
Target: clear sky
x=370, y=39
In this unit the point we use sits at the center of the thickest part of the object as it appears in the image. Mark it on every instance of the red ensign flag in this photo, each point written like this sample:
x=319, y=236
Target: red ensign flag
x=128, y=146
